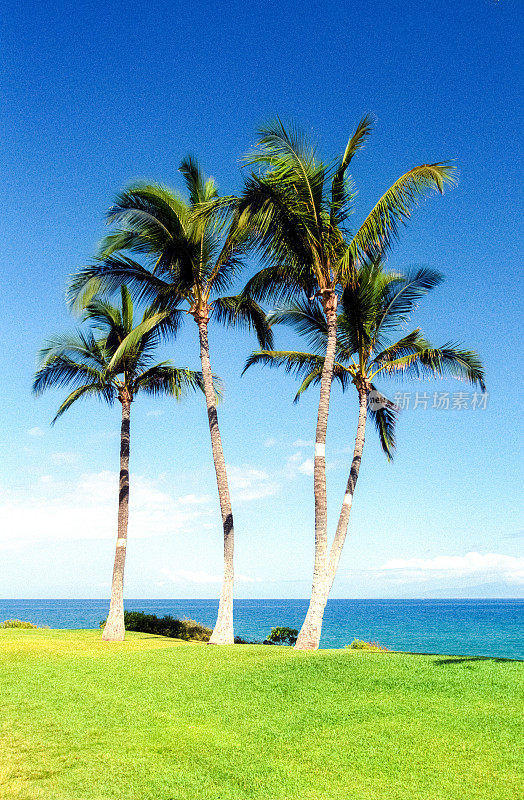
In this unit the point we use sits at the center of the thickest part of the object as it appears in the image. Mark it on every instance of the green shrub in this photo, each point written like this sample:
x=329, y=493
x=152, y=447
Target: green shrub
x=186, y=629
x=358, y=644
x=17, y=623
x=282, y=636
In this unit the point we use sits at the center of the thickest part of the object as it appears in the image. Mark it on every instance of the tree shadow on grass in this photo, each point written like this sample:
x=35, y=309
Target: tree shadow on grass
x=462, y=659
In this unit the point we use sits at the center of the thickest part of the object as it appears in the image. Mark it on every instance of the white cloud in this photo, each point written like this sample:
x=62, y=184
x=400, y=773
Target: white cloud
x=200, y=576
x=247, y=483
x=64, y=458
x=298, y=465
x=189, y=576
x=35, y=432
x=303, y=443
x=307, y=467
x=155, y=412
x=490, y=566
x=86, y=508
x=514, y=535
x=194, y=499
x=246, y=579
x=270, y=442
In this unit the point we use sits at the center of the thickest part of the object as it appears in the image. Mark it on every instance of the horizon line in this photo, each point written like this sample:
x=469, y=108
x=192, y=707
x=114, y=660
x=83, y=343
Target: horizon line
x=256, y=599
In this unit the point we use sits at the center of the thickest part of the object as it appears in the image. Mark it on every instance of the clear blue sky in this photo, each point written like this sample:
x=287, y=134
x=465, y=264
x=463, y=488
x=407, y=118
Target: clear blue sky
x=96, y=94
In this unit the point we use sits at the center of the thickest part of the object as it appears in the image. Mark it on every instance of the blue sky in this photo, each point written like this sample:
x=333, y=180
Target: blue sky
x=98, y=94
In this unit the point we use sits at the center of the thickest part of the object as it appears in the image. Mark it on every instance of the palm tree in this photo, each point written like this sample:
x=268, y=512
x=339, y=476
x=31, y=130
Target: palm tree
x=190, y=260
x=116, y=365
x=374, y=304
x=297, y=209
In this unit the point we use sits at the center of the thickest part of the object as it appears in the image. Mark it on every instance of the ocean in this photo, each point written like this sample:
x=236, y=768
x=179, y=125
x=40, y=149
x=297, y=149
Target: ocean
x=448, y=627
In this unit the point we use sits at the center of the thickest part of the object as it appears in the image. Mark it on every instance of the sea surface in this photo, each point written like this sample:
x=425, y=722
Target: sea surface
x=453, y=627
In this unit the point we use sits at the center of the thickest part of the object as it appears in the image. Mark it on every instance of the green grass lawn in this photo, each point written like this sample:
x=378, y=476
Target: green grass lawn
x=155, y=718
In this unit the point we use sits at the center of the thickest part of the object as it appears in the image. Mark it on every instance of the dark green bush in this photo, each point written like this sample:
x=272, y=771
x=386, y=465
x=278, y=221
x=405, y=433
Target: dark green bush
x=282, y=636
x=166, y=626
x=241, y=640
x=17, y=623
x=358, y=644
x=186, y=629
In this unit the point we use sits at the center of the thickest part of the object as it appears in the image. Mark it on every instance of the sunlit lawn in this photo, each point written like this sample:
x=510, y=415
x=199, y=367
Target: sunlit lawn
x=164, y=720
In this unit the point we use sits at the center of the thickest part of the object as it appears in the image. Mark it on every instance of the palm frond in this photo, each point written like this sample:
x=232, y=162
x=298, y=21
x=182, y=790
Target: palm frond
x=384, y=414
x=293, y=362
x=152, y=210
x=356, y=142
x=200, y=190
x=294, y=167
x=411, y=343
x=127, y=308
x=168, y=326
x=131, y=347
x=341, y=374
x=62, y=371
x=341, y=189
x=164, y=379
x=102, y=391
x=79, y=346
x=360, y=303
x=306, y=318
x=126, y=239
x=242, y=311
x=194, y=179
x=402, y=293
x=224, y=272
x=108, y=275
x=102, y=315
x=217, y=210
x=163, y=220
x=109, y=320
x=282, y=232
x=282, y=284
x=280, y=147
x=441, y=362
x=230, y=258
x=312, y=379
x=381, y=226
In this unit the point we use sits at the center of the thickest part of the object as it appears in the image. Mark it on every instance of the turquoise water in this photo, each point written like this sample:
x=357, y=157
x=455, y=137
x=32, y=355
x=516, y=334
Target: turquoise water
x=454, y=627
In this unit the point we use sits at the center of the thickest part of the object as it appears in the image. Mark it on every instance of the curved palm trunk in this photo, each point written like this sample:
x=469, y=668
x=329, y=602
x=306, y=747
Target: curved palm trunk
x=223, y=630
x=319, y=598
x=309, y=635
x=343, y=520
x=114, y=627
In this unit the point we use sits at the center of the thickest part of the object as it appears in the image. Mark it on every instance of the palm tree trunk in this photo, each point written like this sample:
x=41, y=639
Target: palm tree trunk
x=114, y=627
x=309, y=635
x=343, y=521
x=319, y=598
x=223, y=630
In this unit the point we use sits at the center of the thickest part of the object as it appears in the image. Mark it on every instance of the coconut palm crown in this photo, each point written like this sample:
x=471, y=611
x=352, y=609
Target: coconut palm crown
x=374, y=305
x=188, y=259
x=115, y=360
x=297, y=210
x=184, y=257
x=118, y=363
